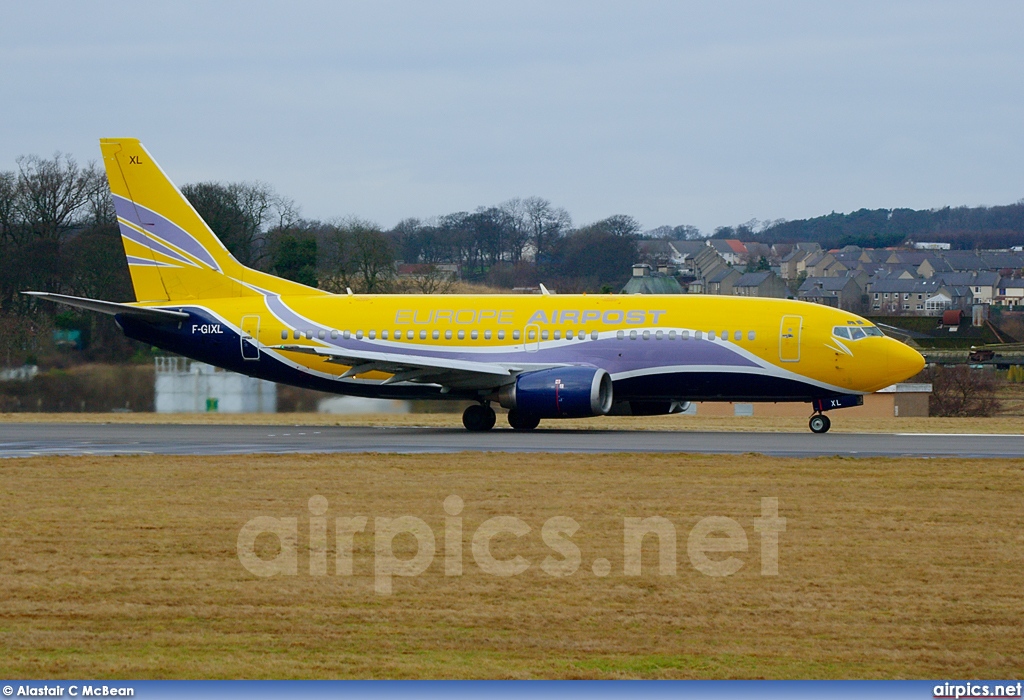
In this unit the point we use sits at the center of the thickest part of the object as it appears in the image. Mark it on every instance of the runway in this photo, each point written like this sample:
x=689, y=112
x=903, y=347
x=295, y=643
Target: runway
x=34, y=439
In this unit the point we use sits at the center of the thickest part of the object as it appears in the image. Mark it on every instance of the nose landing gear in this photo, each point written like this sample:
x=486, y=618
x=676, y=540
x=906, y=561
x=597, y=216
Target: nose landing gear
x=820, y=423
x=478, y=418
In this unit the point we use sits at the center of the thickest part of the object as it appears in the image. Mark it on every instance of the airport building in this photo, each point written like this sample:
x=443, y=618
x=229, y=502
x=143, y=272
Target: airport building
x=184, y=386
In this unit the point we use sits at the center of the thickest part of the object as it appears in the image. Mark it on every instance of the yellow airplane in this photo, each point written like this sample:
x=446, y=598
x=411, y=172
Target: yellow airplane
x=540, y=356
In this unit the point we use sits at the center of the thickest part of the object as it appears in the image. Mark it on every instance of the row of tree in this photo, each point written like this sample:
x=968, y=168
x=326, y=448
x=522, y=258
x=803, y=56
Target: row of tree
x=59, y=233
x=964, y=228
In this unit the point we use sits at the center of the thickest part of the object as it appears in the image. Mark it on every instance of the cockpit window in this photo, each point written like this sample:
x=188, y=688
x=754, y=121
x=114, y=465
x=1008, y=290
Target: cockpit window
x=856, y=332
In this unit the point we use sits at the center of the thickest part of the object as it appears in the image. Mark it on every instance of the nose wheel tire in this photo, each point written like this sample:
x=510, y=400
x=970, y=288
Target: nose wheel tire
x=820, y=423
x=520, y=421
x=478, y=418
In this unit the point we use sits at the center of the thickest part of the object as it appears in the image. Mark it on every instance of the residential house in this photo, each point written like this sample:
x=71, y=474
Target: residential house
x=984, y=285
x=733, y=251
x=722, y=281
x=761, y=284
x=837, y=292
x=916, y=296
x=1011, y=292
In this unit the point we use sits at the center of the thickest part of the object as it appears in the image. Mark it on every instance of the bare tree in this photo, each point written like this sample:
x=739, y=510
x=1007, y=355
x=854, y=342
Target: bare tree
x=241, y=214
x=355, y=254
x=546, y=223
x=51, y=194
x=961, y=391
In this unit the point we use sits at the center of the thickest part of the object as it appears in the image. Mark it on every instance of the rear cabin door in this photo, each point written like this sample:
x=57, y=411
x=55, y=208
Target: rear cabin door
x=250, y=336
x=789, y=338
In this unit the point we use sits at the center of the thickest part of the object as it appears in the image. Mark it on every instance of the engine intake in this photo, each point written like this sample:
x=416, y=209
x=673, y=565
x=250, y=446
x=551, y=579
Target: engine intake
x=560, y=392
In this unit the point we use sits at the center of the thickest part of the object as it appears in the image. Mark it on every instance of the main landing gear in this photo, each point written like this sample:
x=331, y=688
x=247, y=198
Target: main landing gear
x=478, y=418
x=522, y=421
x=820, y=423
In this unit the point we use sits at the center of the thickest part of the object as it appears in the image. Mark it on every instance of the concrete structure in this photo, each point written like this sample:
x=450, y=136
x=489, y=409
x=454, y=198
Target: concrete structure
x=907, y=400
x=183, y=386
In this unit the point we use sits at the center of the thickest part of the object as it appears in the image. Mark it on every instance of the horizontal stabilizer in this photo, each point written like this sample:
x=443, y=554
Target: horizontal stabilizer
x=113, y=308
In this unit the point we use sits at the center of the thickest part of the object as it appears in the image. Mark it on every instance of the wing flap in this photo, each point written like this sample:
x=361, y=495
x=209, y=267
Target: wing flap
x=413, y=368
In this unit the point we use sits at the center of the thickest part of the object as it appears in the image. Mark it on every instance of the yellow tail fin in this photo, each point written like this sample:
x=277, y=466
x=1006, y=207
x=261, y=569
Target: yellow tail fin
x=172, y=254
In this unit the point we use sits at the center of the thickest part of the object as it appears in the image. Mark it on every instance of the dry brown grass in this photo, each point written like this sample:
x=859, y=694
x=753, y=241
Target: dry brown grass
x=126, y=567
x=840, y=424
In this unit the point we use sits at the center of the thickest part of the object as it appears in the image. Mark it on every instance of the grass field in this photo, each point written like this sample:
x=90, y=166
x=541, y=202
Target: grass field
x=127, y=567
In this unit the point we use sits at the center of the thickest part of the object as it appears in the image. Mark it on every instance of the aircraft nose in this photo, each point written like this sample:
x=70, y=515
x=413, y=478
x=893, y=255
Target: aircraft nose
x=904, y=361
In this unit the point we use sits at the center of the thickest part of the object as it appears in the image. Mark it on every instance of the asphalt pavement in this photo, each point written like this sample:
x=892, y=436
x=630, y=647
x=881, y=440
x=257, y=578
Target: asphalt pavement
x=31, y=439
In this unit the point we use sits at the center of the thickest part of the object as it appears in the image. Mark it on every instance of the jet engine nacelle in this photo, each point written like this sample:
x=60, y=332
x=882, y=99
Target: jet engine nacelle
x=560, y=392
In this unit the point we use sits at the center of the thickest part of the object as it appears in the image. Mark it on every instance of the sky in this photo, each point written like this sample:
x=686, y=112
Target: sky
x=707, y=114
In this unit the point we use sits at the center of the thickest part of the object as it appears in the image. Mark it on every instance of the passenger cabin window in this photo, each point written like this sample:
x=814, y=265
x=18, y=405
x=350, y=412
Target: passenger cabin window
x=619, y=335
x=321, y=335
x=515, y=335
x=474, y=335
x=501, y=335
x=435, y=335
x=751, y=335
x=593, y=335
x=296, y=335
x=737, y=336
x=447, y=335
x=284, y=334
x=334, y=335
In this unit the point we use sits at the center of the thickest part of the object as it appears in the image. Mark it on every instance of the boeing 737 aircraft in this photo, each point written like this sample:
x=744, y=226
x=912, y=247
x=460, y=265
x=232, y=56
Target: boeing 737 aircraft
x=540, y=356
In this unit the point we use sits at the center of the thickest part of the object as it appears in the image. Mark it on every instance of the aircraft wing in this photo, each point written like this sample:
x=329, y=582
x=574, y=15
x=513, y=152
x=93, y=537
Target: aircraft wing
x=462, y=374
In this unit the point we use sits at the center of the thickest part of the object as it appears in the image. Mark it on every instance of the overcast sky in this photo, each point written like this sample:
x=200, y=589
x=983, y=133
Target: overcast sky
x=707, y=114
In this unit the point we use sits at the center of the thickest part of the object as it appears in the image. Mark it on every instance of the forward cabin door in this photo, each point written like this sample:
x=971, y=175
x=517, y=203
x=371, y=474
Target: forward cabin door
x=789, y=338
x=249, y=337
